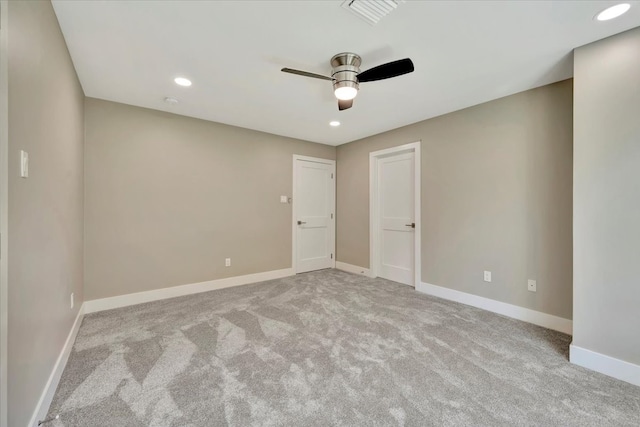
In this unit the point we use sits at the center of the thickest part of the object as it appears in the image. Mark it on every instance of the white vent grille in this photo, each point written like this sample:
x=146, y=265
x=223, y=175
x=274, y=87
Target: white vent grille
x=371, y=11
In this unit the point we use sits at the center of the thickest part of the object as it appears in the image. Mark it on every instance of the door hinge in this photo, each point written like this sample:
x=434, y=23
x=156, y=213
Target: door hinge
x=331, y=176
x=331, y=256
x=331, y=216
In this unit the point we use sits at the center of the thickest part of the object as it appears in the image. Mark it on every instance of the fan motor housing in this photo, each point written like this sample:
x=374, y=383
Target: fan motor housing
x=345, y=70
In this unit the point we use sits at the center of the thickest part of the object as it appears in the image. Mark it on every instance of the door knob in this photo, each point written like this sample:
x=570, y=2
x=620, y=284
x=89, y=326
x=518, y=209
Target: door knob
x=412, y=225
x=301, y=222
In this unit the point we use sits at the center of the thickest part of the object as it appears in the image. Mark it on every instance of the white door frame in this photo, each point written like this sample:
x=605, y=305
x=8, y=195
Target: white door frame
x=374, y=214
x=294, y=213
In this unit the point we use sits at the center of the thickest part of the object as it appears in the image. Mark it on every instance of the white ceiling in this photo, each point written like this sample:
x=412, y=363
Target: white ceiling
x=465, y=53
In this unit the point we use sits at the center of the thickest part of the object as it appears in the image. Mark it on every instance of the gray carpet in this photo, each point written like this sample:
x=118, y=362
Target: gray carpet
x=327, y=348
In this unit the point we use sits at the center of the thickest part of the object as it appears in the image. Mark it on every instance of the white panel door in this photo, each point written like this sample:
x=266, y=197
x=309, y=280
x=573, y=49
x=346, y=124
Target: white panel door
x=396, y=222
x=314, y=205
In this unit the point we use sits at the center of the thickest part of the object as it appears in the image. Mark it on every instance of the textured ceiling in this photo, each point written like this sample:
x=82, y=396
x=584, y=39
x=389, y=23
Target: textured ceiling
x=465, y=53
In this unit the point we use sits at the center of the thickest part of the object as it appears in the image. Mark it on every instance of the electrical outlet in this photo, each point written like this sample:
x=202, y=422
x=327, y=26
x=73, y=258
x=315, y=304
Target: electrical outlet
x=72, y=300
x=24, y=164
x=227, y=262
x=487, y=276
x=531, y=285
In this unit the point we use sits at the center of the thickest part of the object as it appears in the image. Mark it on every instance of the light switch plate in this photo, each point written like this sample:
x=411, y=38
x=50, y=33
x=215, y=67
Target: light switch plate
x=24, y=164
x=284, y=199
x=531, y=285
x=487, y=276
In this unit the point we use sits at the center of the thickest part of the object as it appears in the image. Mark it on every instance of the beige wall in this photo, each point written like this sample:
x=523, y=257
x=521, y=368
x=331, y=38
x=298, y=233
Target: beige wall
x=607, y=197
x=4, y=199
x=168, y=198
x=496, y=195
x=46, y=210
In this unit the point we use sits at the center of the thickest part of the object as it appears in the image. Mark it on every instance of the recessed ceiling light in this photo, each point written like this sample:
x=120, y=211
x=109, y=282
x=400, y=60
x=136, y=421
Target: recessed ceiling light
x=334, y=123
x=171, y=100
x=613, y=12
x=182, y=81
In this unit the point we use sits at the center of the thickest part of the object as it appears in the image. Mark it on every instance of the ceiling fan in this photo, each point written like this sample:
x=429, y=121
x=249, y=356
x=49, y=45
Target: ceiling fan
x=346, y=75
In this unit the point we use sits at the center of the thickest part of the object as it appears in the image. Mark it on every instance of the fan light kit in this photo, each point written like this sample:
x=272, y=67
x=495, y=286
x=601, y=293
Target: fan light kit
x=613, y=12
x=345, y=93
x=181, y=81
x=346, y=75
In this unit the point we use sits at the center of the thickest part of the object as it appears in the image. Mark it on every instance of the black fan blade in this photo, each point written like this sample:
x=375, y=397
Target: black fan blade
x=306, y=74
x=386, y=71
x=343, y=105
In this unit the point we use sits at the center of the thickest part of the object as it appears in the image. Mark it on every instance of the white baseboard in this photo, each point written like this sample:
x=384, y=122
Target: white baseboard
x=52, y=384
x=182, y=290
x=350, y=268
x=536, y=317
x=607, y=365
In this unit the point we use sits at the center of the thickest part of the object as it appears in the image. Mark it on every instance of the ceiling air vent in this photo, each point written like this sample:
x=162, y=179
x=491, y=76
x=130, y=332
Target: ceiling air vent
x=371, y=11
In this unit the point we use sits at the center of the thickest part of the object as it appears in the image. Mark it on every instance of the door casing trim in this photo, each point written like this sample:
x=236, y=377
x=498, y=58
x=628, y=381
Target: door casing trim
x=294, y=228
x=374, y=214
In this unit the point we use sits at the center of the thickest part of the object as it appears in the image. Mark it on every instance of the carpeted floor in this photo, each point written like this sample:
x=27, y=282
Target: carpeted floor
x=327, y=348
